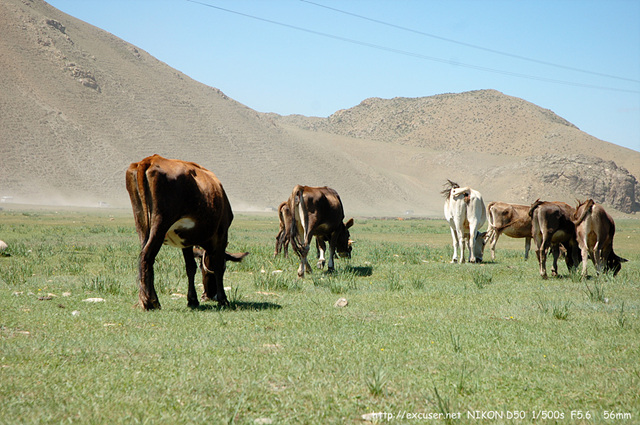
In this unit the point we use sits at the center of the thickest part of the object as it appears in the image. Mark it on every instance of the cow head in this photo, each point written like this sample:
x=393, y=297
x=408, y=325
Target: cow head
x=478, y=247
x=343, y=241
x=571, y=252
x=614, y=263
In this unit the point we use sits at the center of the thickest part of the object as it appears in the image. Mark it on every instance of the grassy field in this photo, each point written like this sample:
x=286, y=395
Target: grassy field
x=421, y=340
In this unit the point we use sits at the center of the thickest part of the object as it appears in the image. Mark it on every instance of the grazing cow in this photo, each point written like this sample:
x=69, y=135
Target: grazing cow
x=511, y=219
x=282, y=239
x=595, y=230
x=3, y=248
x=551, y=227
x=181, y=204
x=465, y=212
x=318, y=211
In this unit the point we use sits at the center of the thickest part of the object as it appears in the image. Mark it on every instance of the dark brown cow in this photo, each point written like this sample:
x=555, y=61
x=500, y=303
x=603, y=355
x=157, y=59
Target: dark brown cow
x=511, y=219
x=595, y=230
x=282, y=239
x=552, y=226
x=180, y=204
x=318, y=211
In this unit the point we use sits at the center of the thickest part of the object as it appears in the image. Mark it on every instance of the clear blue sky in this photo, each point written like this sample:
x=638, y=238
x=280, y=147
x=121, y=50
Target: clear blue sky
x=303, y=58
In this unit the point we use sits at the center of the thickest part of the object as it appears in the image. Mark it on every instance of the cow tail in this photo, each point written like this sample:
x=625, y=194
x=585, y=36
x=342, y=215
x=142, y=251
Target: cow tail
x=585, y=211
x=143, y=189
x=535, y=205
x=297, y=205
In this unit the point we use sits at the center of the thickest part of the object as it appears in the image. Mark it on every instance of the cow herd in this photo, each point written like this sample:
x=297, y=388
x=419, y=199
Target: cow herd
x=581, y=233
x=182, y=204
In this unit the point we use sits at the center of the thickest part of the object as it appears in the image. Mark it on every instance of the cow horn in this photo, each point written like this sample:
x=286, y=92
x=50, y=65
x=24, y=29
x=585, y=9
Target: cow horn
x=204, y=266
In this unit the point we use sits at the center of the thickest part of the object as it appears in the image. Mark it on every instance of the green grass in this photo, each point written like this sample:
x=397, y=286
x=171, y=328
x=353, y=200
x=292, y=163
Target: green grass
x=418, y=334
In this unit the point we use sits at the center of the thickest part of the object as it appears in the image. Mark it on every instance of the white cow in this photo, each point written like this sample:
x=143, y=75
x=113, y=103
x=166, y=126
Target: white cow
x=464, y=210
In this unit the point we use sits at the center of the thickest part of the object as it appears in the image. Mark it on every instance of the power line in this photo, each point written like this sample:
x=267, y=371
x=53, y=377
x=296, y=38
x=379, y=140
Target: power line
x=474, y=46
x=412, y=54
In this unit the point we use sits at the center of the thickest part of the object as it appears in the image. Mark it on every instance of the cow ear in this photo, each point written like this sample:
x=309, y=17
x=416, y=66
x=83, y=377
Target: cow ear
x=349, y=223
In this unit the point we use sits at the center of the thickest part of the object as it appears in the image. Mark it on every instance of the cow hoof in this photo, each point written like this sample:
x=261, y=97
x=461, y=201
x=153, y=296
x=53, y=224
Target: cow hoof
x=454, y=261
x=152, y=306
x=149, y=304
x=321, y=264
x=223, y=303
x=193, y=304
x=544, y=276
x=331, y=270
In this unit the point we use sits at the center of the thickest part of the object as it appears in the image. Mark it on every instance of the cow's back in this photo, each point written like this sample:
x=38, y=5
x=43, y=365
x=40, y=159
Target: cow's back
x=553, y=218
x=322, y=202
x=478, y=209
x=513, y=219
x=173, y=189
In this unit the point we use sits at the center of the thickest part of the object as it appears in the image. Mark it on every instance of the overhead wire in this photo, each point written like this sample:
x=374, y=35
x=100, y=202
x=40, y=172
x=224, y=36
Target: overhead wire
x=474, y=46
x=413, y=54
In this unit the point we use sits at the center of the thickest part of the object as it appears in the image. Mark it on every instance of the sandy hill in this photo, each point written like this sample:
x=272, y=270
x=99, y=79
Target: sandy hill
x=77, y=105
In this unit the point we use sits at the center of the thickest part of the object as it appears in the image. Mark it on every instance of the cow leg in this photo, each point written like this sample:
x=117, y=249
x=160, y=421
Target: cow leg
x=541, y=253
x=219, y=267
x=215, y=264
x=147, y=292
x=454, y=238
x=321, y=246
x=304, y=263
x=598, y=257
x=300, y=227
x=584, y=251
x=330, y=257
x=527, y=247
x=192, y=267
x=493, y=240
x=473, y=232
x=209, y=292
x=278, y=243
x=462, y=243
x=555, y=252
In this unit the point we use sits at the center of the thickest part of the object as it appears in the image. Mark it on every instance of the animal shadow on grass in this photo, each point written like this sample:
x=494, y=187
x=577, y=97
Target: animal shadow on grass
x=240, y=305
x=361, y=271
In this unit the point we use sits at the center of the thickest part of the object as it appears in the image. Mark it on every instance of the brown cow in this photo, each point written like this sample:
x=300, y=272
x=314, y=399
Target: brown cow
x=595, y=230
x=318, y=211
x=282, y=239
x=511, y=219
x=180, y=204
x=551, y=227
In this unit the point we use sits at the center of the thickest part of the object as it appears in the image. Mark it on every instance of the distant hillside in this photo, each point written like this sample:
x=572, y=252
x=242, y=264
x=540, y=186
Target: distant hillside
x=487, y=122
x=484, y=121
x=78, y=104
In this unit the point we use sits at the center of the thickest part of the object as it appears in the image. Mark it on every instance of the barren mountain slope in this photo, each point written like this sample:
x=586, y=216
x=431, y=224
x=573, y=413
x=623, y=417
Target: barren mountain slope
x=484, y=121
x=77, y=105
